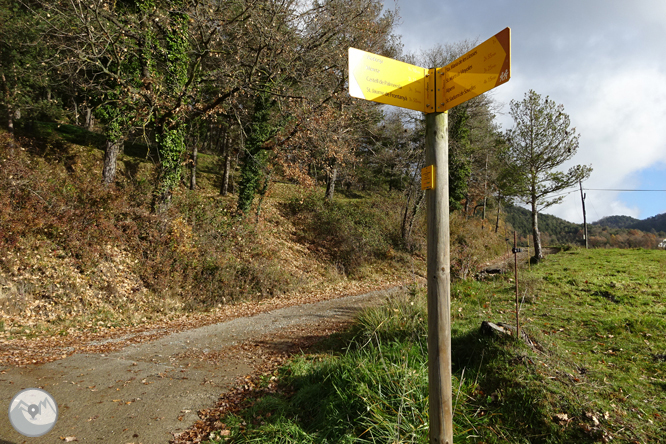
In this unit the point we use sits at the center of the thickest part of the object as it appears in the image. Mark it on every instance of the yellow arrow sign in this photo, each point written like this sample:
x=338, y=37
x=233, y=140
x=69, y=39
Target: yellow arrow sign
x=480, y=70
x=380, y=79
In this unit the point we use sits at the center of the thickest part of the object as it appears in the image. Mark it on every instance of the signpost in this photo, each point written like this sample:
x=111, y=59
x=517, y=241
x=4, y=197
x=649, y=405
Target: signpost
x=433, y=91
x=440, y=404
x=380, y=79
x=480, y=70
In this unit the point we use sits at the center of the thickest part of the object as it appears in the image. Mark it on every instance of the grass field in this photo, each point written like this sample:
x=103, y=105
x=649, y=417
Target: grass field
x=597, y=373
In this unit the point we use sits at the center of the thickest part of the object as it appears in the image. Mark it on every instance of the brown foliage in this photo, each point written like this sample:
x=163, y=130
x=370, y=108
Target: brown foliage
x=473, y=243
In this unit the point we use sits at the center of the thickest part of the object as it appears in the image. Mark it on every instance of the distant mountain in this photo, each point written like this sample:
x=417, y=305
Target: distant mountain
x=611, y=231
x=560, y=230
x=656, y=223
x=616, y=221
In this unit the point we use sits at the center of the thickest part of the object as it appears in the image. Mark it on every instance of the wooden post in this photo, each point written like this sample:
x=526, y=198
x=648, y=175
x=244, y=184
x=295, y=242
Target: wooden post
x=439, y=282
x=515, y=259
x=582, y=197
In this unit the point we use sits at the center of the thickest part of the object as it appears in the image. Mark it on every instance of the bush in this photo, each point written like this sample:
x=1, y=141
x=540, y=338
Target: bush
x=353, y=233
x=472, y=244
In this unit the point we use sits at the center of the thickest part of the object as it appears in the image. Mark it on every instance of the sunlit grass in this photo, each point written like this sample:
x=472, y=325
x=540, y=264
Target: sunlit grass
x=596, y=374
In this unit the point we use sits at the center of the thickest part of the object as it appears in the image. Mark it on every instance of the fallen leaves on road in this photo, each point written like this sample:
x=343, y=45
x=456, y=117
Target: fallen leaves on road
x=22, y=352
x=273, y=351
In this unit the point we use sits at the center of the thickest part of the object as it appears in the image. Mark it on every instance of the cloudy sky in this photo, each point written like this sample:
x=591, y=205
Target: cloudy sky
x=604, y=60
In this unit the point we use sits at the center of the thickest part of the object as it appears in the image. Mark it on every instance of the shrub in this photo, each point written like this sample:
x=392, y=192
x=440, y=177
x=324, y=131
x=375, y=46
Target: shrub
x=472, y=244
x=353, y=233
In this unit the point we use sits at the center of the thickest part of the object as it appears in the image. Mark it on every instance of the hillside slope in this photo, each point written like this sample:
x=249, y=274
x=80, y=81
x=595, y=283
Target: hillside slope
x=616, y=221
x=656, y=223
x=555, y=229
x=79, y=257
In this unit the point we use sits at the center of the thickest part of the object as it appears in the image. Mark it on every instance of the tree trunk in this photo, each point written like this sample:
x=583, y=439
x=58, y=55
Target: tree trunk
x=6, y=92
x=227, y=166
x=76, y=112
x=89, y=119
x=10, y=121
x=485, y=194
x=110, y=158
x=193, y=177
x=538, y=254
x=330, y=186
x=499, y=207
x=405, y=217
x=407, y=234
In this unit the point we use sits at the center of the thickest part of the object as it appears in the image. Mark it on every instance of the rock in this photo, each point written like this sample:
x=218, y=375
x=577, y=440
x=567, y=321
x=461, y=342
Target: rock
x=502, y=329
x=489, y=328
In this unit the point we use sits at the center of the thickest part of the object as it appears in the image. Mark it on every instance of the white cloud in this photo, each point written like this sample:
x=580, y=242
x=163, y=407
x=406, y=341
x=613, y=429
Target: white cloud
x=620, y=120
x=604, y=60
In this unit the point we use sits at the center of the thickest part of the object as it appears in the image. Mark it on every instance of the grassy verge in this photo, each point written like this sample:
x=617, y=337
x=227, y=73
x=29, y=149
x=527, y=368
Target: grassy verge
x=596, y=375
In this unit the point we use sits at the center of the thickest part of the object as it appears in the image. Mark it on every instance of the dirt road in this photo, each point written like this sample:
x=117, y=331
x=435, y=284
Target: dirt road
x=147, y=392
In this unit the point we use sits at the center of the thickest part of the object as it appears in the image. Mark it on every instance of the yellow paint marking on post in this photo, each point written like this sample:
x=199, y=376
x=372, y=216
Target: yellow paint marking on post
x=428, y=178
x=384, y=80
x=480, y=70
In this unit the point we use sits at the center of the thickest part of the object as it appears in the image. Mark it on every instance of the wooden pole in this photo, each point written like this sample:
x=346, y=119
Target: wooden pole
x=515, y=259
x=439, y=282
x=582, y=197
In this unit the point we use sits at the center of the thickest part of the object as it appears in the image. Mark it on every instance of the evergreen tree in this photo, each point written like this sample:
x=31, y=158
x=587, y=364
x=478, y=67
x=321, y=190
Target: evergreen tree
x=541, y=140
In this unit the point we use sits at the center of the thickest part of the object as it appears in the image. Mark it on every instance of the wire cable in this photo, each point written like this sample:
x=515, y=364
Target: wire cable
x=619, y=190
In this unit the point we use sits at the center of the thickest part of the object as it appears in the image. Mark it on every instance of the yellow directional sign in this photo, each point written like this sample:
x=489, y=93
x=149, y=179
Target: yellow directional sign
x=428, y=178
x=380, y=79
x=480, y=70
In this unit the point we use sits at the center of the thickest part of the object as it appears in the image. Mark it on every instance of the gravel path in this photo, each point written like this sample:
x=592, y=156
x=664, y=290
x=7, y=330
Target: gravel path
x=147, y=393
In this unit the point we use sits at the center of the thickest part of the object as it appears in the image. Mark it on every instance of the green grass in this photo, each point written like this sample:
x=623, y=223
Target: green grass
x=597, y=374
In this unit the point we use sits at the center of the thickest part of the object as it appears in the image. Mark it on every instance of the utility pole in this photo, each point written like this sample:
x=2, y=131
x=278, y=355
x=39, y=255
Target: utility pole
x=582, y=198
x=439, y=281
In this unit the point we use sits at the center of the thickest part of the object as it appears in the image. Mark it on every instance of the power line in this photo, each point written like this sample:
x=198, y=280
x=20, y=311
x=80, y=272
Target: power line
x=564, y=194
x=611, y=189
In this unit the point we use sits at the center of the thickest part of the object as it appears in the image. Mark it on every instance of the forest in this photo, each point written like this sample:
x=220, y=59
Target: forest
x=168, y=155
x=608, y=232
x=261, y=84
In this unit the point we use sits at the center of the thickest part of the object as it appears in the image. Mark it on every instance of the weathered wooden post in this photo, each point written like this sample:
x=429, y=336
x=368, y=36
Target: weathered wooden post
x=433, y=91
x=439, y=281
